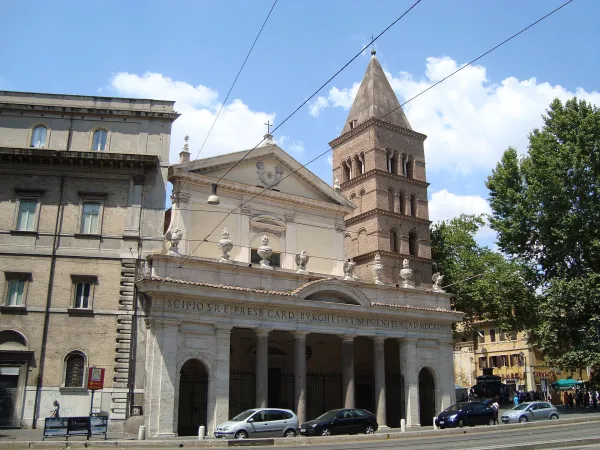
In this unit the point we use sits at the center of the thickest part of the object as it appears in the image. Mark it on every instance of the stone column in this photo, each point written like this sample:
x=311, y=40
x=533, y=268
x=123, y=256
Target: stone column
x=348, y=370
x=379, y=369
x=262, y=367
x=397, y=207
x=355, y=171
x=409, y=368
x=221, y=377
x=407, y=206
x=300, y=374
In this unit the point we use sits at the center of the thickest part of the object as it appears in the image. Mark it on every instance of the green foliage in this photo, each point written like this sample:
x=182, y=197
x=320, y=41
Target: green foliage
x=546, y=210
x=485, y=284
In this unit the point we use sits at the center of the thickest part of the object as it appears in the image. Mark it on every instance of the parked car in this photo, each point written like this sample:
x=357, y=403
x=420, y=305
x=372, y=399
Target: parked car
x=465, y=414
x=341, y=421
x=264, y=422
x=529, y=411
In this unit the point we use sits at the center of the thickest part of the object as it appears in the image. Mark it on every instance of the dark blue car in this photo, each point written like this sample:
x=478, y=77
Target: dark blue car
x=465, y=414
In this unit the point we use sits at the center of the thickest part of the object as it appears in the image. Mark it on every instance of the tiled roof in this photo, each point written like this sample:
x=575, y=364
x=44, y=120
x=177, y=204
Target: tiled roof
x=417, y=307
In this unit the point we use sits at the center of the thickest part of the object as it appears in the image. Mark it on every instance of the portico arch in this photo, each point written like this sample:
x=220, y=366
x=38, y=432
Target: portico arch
x=426, y=396
x=193, y=397
x=334, y=291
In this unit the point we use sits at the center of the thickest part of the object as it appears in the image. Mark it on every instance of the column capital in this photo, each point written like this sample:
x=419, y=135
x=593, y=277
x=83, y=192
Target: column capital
x=260, y=332
x=223, y=328
x=379, y=340
x=300, y=334
x=348, y=337
x=407, y=340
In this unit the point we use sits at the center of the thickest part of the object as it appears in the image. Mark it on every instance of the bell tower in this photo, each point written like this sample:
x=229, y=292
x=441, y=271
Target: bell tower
x=379, y=162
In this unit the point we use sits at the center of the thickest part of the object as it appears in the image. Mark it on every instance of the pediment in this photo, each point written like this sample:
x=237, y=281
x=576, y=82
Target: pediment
x=267, y=167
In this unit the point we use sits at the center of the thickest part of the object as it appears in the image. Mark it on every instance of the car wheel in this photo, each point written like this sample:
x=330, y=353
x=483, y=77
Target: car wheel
x=523, y=419
x=290, y=433
x=369, y=429
x=554, y=417
x=491, y=422
x=326, y=432
x=461, y=423
x=241, y=435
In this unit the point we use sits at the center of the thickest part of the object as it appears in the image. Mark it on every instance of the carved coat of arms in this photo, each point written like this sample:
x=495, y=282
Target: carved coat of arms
x=269, y=178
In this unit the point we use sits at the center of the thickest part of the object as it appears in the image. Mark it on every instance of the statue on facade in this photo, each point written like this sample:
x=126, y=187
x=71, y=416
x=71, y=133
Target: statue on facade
x=265, y=252
x=302, y=261
x=146, y=271
x=437, y=282
x=406, y=274
x=349, y=270
x=225, y=245
x=377, y=269
x=174, y=237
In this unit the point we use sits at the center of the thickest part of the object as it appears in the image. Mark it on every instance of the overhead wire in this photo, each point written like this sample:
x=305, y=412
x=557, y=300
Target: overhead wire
x=425, y=90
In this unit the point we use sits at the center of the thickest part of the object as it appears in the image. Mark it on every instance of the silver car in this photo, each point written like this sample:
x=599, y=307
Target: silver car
x=530, y=411
x=258, y=423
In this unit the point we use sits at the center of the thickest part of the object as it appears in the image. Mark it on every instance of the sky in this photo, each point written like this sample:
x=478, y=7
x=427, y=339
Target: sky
x=190, y=52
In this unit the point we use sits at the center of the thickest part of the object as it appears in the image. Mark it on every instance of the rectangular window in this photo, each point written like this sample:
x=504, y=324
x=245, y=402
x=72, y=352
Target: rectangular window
x=482, y=362
x=90, y=223
x=493, y=361
x=16, y=288
x=504, y=360
x=26, y=218
x=492, y=335
x=481, y=336
x=513, y=336
x=502, y=336
x=82, y=295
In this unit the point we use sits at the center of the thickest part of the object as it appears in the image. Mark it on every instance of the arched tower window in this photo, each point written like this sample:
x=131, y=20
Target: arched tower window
x=345, y=171
x=402, y=203
x=404, y=163
x=394, y=242
x=410, y=167
x=413, y=243
x=393, y=163
x=74, y=369
x=413, y=205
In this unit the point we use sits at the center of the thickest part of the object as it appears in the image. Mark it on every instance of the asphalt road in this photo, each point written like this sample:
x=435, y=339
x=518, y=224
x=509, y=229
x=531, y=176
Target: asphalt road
x=497, y=439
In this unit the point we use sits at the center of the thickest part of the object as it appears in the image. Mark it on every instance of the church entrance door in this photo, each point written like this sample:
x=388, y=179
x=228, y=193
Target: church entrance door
x=426, y=397
x=193, y=398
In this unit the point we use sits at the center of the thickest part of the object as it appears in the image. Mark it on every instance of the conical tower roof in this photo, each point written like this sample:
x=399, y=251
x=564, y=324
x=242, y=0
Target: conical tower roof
x=376, y=98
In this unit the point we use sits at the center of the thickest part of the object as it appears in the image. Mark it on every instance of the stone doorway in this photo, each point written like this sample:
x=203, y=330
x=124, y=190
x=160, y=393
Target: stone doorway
x=426, y=397
x=193, y=398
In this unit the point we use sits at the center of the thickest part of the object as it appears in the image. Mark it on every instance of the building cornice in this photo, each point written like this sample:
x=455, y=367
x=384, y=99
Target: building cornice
x=176, y=176
x=378, y=172
x=381, y=123
x=366, y=257
x=13, y=155
x=383, y=212
x=80, y=110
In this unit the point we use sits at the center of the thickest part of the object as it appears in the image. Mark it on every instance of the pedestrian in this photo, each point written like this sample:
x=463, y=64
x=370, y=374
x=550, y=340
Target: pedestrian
x=570, y=400
x=566, y=399
x=586, y=400
x=496, y=407
x=516, y=399
x=594, y=399
x=55, y=412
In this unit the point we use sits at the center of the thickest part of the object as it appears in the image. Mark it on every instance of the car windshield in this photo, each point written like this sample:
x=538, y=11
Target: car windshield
x=244, y=415
x=521, y=407
x=455, y=408
x=327, y=415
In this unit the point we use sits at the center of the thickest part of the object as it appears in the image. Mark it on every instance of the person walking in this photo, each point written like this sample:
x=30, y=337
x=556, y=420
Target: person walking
x=594, y=399
x=496, y=407
x=55, y=412
x=516, y=399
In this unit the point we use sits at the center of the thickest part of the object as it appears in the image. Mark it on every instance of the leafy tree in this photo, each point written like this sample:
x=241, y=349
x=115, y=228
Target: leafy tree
x=546, y=210
x=486, y=286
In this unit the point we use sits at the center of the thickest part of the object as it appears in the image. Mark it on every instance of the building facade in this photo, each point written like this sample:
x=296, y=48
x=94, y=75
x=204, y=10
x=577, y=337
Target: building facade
x=254, y=302
x=82, y=200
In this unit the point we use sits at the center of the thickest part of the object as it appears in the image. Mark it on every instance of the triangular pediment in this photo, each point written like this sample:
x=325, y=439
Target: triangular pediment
x=268, y=167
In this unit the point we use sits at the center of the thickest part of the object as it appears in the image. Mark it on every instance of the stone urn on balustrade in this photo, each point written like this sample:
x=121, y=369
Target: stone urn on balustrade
x=265, y=252
x=377, y=269
x=406, y=274
x=225, y=245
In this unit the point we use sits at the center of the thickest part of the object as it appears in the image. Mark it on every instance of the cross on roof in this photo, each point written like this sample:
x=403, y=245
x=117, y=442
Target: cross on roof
x=269, y=125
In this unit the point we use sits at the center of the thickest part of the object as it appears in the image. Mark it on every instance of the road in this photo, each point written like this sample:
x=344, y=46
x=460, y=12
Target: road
x=498, y=439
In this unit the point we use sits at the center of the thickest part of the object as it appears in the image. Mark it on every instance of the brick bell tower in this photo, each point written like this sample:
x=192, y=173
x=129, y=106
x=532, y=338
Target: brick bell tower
x=379, y=163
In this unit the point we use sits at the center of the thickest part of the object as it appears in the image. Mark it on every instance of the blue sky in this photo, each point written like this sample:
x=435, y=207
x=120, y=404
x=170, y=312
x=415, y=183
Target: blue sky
x=190, y=51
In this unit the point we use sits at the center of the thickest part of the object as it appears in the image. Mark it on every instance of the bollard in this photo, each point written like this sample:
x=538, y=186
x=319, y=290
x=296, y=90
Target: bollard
x=201, y=432
x=142, y=433
x=434, y=425
x=403, y=425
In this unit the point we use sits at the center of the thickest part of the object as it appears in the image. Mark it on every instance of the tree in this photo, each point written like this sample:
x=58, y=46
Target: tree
x=486, y=286
x=546, y=210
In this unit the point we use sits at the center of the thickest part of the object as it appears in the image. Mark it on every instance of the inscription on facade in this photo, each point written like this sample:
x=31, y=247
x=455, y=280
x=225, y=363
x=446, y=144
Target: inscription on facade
x=303, y=316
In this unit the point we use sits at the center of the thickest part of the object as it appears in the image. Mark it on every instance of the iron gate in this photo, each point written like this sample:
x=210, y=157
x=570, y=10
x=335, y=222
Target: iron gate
x=242, y=391
x=323, y=393
x=193, y=400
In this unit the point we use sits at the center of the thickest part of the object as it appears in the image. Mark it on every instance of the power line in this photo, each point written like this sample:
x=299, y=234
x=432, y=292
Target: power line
x=321, y=87
x=425, y=90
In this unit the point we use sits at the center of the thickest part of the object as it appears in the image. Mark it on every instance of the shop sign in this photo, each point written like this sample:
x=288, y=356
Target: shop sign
x=95, y=378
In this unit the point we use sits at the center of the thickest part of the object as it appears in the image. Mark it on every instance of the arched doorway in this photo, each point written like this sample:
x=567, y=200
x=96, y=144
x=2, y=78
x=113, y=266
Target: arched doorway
x=193, y=396
x=426, y=397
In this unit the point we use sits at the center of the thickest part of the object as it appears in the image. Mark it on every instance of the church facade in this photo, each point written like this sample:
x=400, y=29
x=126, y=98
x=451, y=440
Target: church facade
x=287, y=292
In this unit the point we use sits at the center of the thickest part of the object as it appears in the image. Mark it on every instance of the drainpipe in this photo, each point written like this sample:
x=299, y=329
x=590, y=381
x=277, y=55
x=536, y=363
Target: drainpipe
x=57, y=226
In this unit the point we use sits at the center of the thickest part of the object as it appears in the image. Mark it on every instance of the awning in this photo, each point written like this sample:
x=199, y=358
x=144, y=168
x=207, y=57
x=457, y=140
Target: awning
x=566, y=383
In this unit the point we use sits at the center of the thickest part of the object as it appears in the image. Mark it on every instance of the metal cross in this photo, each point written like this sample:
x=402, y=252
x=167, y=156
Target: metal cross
x=372, y=43
x=269, y=125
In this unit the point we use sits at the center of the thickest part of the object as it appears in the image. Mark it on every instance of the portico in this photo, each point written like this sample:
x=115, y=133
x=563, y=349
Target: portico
x=283, y=348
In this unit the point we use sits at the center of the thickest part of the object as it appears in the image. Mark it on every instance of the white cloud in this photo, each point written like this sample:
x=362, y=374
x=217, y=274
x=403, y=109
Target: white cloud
x=445, y=205
x=469, y=120
x=293, y=146
x=238, y=127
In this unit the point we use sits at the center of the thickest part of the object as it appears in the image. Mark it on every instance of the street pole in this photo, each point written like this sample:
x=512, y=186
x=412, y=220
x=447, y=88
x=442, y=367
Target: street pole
x=92, y=402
